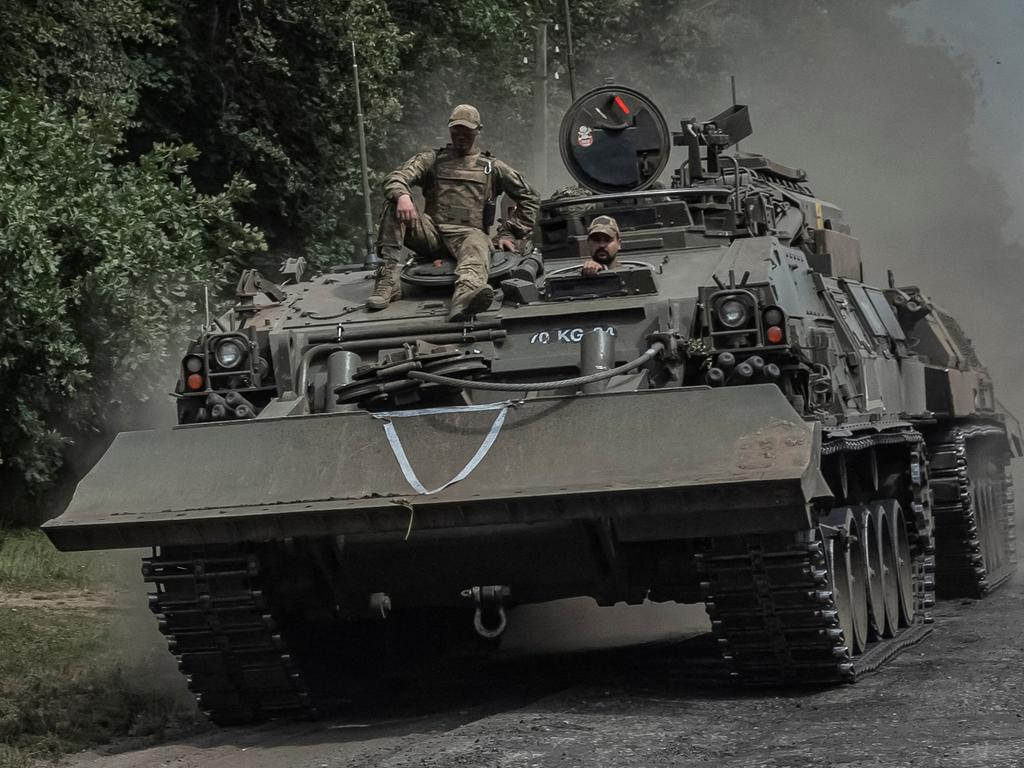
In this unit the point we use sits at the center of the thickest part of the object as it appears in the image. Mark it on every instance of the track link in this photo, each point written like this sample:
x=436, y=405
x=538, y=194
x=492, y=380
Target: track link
x=772, y=604
x=218, y=625
x=774, y=613
x=974, y=519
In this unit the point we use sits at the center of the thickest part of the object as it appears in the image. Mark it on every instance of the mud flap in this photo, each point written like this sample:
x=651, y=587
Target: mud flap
x=658, y=463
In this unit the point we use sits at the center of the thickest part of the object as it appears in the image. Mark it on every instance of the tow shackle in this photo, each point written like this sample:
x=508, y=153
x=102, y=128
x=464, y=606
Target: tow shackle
x=492, y=600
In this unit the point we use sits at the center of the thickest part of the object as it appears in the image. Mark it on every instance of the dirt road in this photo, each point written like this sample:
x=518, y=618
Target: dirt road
x=956, y=700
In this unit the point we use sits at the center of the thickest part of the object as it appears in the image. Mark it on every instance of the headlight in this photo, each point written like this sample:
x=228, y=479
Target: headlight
x=733, y=313
x=229, y=353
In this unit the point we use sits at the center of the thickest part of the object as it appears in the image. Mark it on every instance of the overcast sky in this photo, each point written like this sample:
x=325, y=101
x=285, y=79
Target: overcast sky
x=988, y=35
x=909, y=116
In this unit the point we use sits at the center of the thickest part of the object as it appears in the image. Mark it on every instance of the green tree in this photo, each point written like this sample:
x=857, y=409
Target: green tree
x=97, y=258
x=265, y=89
x=108, y=215
x=78, y=52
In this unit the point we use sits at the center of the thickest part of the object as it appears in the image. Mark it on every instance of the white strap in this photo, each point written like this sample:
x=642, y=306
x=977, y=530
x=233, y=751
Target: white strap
x=403, y=460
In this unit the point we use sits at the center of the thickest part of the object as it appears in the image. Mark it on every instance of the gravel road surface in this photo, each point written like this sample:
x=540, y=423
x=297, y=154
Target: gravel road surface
x=956, y=701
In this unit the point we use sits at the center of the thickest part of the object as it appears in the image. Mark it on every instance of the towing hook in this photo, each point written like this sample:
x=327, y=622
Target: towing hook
x=489, y=619
x=379, y=605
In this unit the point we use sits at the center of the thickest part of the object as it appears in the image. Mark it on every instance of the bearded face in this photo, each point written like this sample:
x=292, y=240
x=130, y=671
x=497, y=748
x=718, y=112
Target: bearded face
x=603, y=247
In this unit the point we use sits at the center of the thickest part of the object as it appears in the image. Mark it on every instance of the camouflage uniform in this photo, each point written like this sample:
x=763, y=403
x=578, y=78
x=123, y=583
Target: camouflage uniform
x=456, y=189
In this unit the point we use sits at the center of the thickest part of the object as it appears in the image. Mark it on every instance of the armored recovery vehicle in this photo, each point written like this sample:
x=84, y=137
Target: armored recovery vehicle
x=731, y=416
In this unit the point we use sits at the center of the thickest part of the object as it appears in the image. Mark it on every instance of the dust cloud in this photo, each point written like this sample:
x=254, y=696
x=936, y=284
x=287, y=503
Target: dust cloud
x=135, y=641
x=907, y=115
x=580, y=624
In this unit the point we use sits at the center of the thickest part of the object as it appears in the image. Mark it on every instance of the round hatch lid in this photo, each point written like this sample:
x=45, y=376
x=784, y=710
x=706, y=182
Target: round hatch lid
x=613, y=139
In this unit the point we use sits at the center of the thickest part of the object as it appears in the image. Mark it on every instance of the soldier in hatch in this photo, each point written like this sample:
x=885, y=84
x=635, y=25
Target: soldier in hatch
x=603, y=244
x=460, y=184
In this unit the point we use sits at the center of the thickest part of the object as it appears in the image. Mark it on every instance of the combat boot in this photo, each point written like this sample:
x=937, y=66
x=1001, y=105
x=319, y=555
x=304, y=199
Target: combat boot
x=468, y=302
x=386, y=286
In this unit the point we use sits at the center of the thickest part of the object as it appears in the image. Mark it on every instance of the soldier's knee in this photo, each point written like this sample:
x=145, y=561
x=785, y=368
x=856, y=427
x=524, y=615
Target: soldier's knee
x=475, y=247
x=479, y=241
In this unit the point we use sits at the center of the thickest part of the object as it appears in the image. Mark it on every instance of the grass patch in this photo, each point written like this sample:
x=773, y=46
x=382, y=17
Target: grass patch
x=74, y=675
x=65, y=688
x=28, y=561
x=12, y=757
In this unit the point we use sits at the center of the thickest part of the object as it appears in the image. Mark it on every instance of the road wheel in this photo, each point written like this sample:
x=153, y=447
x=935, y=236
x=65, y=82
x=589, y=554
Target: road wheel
x=859, y=575
x=889, y=574
x=849, y=574
x=904, y=561
x=873, y=561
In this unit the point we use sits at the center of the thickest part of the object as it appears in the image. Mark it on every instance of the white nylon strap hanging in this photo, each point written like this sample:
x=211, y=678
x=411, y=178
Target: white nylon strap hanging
x=403, y=460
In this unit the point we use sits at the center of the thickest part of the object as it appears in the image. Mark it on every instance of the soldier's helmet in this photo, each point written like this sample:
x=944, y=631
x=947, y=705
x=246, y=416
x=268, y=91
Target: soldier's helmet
x=467, y=115
x=604, y=225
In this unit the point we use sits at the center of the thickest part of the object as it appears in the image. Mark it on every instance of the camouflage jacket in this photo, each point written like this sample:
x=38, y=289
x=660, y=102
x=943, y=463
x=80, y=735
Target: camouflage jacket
x=457, y=189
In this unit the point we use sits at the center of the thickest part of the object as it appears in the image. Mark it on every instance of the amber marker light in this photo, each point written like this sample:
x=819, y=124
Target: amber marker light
x=194, y=381
x=774, y=334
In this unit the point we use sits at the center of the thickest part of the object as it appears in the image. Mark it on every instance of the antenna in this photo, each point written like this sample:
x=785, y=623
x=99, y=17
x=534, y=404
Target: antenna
x=371, y=250
x=733, y=79
x=206, y=303
x=569, y=52
x=540, y=106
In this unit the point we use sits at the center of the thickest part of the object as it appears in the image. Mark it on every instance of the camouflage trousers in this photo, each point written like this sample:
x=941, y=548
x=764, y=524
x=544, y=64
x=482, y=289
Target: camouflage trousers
x=469, y=246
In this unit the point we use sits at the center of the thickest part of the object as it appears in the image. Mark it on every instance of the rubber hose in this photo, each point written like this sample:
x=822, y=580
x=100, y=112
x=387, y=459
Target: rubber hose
x=533, y=386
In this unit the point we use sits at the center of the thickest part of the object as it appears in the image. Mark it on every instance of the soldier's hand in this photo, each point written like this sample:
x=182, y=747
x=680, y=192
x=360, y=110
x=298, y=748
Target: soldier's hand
x=591, y=267
x=405, y=209
x=506, y=244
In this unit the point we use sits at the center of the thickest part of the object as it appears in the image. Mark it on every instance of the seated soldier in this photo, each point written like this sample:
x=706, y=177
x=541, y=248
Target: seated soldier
x=459, y=183
x=603, y=244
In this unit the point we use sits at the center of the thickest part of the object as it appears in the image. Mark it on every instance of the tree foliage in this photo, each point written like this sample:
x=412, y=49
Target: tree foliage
x=266, y=88
x=135, y=135
x=98, y=260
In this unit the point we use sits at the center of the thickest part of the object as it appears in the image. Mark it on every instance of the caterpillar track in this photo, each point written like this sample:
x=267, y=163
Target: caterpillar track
x=818, y=607
x=974, y=517
x=217, y=623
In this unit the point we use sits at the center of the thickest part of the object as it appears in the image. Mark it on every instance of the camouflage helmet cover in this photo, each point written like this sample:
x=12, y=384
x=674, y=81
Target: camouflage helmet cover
x=605, y=225
x=465, y=114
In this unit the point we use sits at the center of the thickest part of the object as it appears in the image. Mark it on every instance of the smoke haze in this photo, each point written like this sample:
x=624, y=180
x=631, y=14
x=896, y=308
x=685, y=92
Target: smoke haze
x=906, y=115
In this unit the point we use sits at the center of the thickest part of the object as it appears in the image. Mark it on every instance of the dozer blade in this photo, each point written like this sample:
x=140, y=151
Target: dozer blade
x=658, y=464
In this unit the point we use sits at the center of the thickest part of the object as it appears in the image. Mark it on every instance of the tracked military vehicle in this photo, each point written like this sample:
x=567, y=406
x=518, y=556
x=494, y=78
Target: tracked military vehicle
x=731, y=416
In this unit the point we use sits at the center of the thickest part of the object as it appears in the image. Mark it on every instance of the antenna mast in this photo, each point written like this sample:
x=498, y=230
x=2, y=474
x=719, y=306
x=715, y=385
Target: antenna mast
x=371, y=250
x=733, y=79
x=540, y=106
x=569, y=52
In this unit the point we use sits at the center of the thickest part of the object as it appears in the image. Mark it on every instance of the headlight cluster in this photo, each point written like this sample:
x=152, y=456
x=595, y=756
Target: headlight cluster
x=194, y=379
x=218, y=364
x=739, y=318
